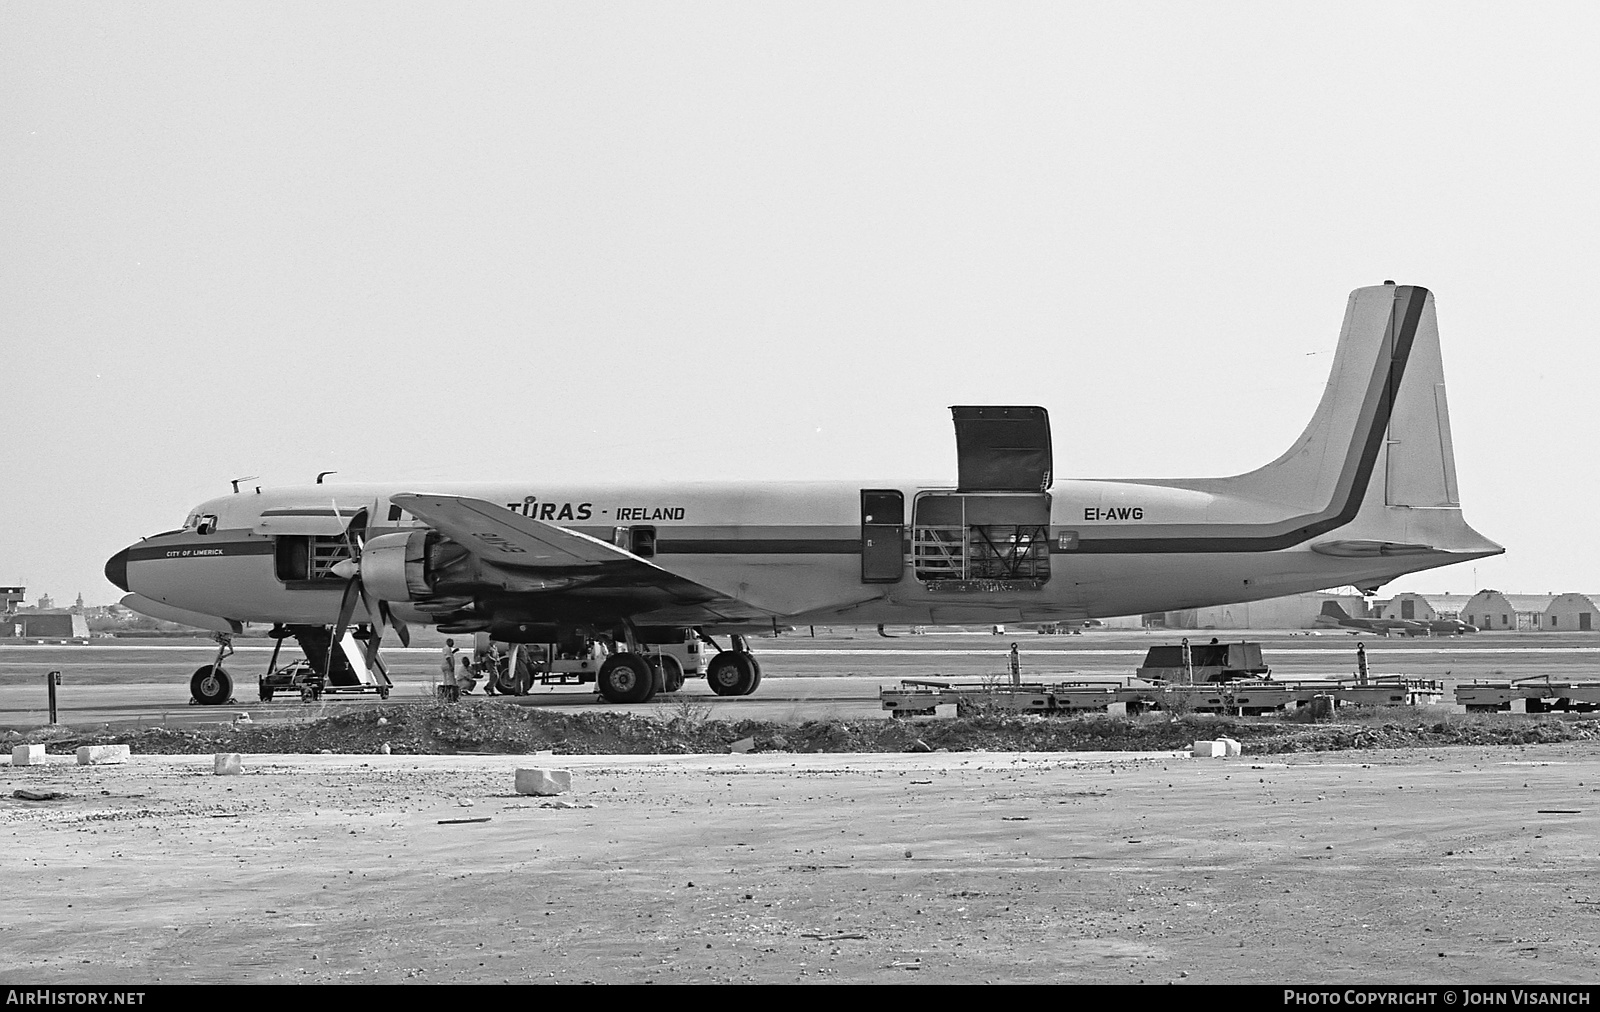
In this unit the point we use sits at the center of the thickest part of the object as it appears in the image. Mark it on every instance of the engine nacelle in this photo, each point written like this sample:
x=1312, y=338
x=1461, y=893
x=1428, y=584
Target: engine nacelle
x=394, y=567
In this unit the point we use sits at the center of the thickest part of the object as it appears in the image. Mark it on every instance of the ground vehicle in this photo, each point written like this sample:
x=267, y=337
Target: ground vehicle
x=302, y=678
x=298, y=677
x=516, y=667
x=1206, y=662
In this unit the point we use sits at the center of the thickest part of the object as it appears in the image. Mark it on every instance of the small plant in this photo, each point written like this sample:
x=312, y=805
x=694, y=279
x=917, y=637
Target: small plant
x=1178, y=705
x=686, y=709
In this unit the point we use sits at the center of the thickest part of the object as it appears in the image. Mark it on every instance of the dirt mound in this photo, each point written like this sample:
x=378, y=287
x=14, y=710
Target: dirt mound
x=504, y=728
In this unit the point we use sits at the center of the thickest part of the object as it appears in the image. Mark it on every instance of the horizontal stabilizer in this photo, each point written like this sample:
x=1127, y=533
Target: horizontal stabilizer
x=1368, y=549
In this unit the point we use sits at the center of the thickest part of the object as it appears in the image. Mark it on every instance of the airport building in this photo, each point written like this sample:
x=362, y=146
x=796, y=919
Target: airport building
x=44, y=625
x=51, y=624
x=1490, y=610
x=1570, y=613
x=1406, y=606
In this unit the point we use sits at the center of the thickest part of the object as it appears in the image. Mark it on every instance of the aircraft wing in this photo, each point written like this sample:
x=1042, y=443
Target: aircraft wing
x=496, y=534
x=613, y=581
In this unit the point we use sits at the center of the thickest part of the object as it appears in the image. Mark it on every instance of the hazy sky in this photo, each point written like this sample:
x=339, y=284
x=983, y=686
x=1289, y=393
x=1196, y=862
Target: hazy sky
x=692, y=240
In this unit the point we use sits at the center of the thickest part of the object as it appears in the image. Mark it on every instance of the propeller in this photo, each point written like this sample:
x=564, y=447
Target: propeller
x=355, y=589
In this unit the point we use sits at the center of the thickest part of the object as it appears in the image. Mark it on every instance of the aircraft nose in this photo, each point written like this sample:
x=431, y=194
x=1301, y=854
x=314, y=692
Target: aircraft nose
x=117, y=570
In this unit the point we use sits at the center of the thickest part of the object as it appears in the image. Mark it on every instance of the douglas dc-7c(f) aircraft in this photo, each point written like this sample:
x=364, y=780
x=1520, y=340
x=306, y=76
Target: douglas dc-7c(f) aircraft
x=1365, y=494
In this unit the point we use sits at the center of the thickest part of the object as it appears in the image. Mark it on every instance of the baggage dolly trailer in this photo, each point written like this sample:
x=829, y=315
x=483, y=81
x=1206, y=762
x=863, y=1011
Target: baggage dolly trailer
x=921, y=697
x=1227, y=678
x=1529, y=695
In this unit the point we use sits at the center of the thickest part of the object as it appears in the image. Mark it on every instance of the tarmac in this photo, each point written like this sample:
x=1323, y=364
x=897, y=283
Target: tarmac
x=835, y=675
x=1457, y=865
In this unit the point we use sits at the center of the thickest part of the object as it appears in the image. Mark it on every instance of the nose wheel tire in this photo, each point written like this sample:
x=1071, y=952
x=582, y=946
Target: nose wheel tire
x=505, y=683
x=626, y=678
x=211, y=686
x=733, y=673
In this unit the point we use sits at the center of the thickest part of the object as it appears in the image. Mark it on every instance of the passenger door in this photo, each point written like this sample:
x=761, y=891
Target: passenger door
x=883, y=532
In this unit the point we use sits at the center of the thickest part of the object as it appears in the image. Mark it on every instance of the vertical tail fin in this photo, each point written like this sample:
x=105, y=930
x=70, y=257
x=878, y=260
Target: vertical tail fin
x=1381, y=434
x=1331, y=609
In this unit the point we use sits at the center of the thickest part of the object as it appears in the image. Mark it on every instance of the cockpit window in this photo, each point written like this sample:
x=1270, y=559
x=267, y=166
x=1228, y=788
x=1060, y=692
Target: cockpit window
x=207, y=524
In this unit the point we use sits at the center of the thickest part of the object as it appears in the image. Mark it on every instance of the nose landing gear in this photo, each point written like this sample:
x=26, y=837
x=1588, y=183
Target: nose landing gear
x=211, y=685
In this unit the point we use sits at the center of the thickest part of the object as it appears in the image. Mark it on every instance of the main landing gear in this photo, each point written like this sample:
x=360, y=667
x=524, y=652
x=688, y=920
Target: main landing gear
x=635, y=676
x=628, y=678
x=734, y=672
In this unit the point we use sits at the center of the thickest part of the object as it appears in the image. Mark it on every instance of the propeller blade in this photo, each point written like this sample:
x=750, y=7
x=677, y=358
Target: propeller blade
x=348, y=541
x=372, y=644
x=347, y=609
x=372, y=607
x=398, y=623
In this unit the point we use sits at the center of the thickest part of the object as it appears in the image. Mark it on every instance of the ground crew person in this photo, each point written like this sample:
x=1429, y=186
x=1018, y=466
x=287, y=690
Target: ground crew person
x=466, y=678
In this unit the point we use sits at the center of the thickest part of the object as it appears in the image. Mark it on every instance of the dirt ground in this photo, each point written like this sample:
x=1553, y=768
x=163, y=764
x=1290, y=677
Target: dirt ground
x=502, y=727
x=1456, y=864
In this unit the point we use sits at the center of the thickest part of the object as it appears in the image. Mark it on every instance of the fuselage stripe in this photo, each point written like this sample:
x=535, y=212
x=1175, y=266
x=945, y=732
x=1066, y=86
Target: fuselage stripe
x=198, y=547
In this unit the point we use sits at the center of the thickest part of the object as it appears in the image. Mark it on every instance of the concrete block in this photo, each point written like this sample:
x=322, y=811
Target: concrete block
x=27, y=755
x=743, y=745
x=543, y=783
x=227, y=764
x=1232, y=747
x=1208, y=750
x=96, y=755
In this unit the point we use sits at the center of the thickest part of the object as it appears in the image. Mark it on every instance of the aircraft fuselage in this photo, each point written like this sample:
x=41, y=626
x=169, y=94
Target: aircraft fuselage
x=797, y=550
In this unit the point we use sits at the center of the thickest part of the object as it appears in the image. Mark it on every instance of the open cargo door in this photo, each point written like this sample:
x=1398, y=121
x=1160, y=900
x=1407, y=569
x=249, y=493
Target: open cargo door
x=1002, y=449
x=993, y=532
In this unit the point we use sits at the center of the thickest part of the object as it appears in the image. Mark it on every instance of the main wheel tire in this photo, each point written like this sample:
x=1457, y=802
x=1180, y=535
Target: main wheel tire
x=211, y=686
x=626, y=678
x=755, y=683
x=672, y=673
x=731, y=673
